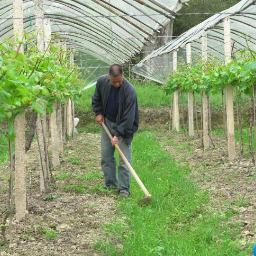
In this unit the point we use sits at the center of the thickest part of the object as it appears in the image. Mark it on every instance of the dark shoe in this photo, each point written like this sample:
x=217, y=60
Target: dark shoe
x=110, y=188
x=124, y=194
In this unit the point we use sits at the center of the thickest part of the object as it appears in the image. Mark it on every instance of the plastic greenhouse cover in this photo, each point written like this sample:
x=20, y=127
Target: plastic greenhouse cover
x=113, y=29
x=103, y=31
x=242, y=20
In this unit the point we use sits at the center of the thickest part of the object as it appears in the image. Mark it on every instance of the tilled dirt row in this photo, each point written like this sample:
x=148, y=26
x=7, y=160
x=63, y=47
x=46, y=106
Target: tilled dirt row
x=232, y=184
x=70, y=218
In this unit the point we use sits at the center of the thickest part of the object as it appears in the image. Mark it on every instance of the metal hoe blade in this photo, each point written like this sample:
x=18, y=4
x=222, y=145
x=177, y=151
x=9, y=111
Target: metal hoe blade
x=145, y=201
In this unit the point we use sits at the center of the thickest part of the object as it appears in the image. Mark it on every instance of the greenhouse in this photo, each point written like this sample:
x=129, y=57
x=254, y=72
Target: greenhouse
x=242, y=26
x=98, y=29
x=120, y=134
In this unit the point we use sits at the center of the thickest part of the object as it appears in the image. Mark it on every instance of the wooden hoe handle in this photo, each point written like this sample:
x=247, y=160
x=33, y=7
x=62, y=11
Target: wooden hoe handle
x=136, y=177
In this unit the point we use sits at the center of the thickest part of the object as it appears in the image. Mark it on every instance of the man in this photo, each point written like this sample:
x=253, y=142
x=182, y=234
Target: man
x=115, y=103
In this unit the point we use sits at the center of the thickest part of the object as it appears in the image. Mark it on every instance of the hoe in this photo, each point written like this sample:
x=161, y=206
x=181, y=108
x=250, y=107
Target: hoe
x=147, y=199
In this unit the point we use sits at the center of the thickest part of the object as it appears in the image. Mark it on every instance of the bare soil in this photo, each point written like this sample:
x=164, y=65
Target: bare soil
x=231, y=184
x=78, y=218
x=77, y=210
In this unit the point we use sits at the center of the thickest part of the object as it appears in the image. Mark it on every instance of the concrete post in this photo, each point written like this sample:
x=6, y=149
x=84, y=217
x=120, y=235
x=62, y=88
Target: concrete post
x=190, y=99
x=19, y=127
x=229, y=94
x=205, y=101
x=175, y=103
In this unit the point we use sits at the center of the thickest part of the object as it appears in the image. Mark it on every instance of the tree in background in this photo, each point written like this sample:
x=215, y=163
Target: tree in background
x=186, y=20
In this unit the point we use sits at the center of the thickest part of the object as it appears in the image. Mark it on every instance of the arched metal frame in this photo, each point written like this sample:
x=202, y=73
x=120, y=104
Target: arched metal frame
x=112, y=30
x=243, y=31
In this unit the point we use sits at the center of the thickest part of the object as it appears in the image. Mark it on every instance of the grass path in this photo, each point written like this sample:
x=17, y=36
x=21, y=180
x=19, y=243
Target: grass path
x=77, y=218
x=178, y=221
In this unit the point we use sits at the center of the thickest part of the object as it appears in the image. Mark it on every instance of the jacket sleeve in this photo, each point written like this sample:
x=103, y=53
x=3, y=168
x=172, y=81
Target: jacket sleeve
x=127, y=119
x=97, y=100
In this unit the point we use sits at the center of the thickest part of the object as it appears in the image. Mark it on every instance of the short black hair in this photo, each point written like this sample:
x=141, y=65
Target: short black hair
x=115, y=70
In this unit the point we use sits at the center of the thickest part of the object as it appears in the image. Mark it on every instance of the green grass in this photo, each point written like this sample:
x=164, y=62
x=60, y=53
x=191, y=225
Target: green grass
x=151, y=94
x=90, y=128
x=50, y=233
x=178, y=221
x=245, y=134
x=148, y=93
x=84, y=103
x=80, y=188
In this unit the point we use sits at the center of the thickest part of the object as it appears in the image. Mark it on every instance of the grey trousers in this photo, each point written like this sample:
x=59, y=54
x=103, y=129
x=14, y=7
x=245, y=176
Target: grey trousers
x=108, y=160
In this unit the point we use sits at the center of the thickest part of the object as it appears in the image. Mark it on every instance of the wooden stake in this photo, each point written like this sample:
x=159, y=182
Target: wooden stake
x=229, y=93
x=19, y=127
x=183, y=111
x=59, y=126
x=251, y=127
x=69, y=118
x=20, y=168
x=65, y=120
x=54, y=138
x=175, y=103
x=230, y=123
x=224, y=112
x=190, y=114
x=205, y=102
x=190, y=98
x=11, y=196
x=41, y=120
x=206, y=138
x=41, y=150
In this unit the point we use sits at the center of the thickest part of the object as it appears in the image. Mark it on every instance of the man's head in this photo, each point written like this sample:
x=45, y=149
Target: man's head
x=116, y=75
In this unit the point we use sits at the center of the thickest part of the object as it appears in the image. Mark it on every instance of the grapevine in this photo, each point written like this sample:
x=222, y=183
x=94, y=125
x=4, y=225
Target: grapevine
x=34, y=79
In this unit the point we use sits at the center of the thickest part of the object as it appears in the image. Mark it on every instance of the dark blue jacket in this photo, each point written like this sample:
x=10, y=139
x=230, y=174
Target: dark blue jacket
x=128, y=113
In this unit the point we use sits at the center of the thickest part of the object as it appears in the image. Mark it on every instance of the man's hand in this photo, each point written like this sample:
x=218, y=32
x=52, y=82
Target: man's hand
x=115, y=141
x=100, y=119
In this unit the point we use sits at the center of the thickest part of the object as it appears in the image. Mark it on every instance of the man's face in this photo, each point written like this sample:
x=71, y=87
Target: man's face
x=116, y=81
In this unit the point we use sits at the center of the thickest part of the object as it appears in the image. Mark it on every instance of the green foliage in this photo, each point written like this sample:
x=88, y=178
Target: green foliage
x=151, y=94
x=178, y=220
x=80, y=188
x=49, y=197
x=84, y=103
x=50, y=233
x=91, y=128
x=200, y=8
x=213, y=76
x=33, y=79
x=238, y=134
x=148, y=93
x=65, y=176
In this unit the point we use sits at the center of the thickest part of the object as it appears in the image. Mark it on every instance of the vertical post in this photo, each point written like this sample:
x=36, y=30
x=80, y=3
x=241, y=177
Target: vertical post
x=56, y=128
x=190, y=98
x=47, y=41
x=19, y=127
x=47, y=33
x=39, y=9
x=229, y=93
x=59, y=126
x=41, y=120
x=72, y=101
x=54, y=137
x=205, y=101
x=69, y=108
x=69, y=117
x=175, y=105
